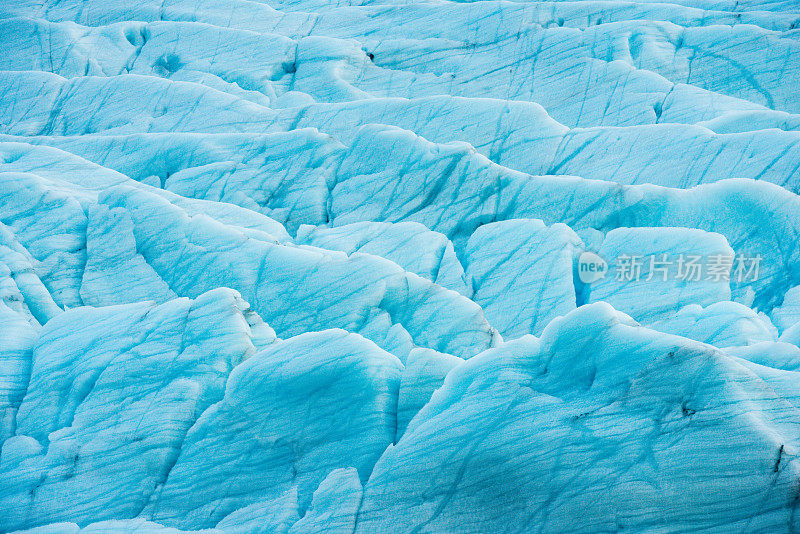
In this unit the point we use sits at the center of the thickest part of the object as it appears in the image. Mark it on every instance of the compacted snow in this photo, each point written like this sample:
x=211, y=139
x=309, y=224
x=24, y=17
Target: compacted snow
x=311, y=266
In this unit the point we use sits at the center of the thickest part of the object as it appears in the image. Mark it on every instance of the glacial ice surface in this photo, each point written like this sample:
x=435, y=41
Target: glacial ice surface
x=333, y=266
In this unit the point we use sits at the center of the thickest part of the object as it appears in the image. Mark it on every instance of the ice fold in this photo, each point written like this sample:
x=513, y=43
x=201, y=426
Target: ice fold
x=300, y=266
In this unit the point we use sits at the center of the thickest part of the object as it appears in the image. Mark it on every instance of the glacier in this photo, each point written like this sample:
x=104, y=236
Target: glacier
x=427, y=266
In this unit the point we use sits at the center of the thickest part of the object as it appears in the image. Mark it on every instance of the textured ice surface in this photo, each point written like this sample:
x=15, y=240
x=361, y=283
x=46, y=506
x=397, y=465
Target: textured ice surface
x=312, y=266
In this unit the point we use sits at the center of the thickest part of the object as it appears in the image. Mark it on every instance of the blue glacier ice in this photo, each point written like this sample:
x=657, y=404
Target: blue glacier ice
x=428, y=266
